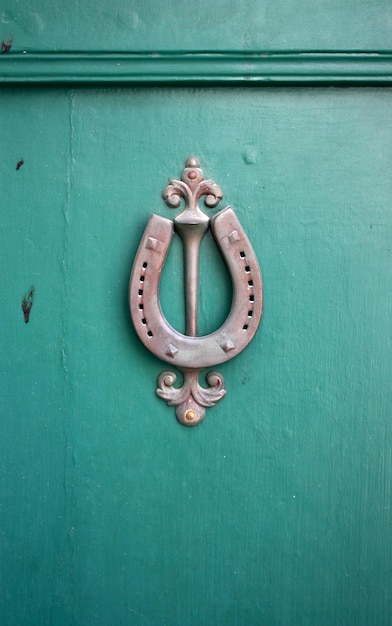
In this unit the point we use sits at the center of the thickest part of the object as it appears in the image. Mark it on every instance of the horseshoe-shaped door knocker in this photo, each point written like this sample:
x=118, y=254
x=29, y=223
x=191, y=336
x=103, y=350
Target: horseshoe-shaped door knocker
x=188, y=352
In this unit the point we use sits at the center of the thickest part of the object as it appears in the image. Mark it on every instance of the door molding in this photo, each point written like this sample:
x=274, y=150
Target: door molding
x=223, y=68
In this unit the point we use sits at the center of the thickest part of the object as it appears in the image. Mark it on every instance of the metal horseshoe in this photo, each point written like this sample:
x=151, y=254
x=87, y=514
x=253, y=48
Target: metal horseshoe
x=188, y=352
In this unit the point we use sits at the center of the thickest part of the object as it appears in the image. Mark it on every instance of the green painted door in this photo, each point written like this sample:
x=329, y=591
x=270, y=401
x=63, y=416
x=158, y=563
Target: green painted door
x=276, y=510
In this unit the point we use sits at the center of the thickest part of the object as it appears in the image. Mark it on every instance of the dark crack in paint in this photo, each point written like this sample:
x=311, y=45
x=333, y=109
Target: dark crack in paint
x=27, y=303
x=19, y=164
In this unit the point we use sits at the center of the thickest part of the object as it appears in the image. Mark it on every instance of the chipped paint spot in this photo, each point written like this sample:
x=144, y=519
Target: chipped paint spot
x=19, y=164
x=6, y=45
x=27, y=303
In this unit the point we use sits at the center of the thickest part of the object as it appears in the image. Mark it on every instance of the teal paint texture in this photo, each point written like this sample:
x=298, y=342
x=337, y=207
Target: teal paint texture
x=276, y=509
x=309, y=25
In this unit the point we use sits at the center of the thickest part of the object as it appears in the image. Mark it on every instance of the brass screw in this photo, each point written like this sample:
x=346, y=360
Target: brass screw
x=190, y=415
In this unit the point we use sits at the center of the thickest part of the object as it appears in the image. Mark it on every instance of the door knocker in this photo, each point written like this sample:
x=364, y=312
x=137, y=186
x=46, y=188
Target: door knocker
x=189, y=352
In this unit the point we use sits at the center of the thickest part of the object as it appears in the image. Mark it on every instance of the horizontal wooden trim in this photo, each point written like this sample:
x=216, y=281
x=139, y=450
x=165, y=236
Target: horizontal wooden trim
x=256, y=68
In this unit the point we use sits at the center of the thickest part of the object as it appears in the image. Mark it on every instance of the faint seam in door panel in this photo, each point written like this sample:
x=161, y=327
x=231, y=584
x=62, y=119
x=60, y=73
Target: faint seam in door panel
x=69, y=458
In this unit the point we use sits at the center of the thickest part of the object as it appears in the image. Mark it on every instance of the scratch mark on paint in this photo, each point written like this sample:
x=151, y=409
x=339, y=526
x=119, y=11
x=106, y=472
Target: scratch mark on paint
x=19, y=164
x=27, y=303
x=66, y=214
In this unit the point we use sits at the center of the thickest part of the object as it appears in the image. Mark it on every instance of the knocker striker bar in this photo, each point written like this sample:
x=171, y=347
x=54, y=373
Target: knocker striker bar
x=189, y=352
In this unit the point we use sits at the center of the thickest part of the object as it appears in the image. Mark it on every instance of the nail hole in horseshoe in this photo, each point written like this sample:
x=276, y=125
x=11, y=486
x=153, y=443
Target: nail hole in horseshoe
x=242, y=254
x=141, y=279
x=145, y=264
x=250, y=283
x=140, y=292
x=245, y=327
x=149, y=333
x=144, y=321
x=247, y=269
x=251, y=298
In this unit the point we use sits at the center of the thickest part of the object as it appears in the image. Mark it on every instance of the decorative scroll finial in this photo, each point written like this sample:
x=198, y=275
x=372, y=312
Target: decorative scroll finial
x=192, y=187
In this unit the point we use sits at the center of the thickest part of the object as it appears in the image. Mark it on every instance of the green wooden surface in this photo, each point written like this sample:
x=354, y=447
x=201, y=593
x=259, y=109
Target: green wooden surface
x=276, y=509
x=123, y=25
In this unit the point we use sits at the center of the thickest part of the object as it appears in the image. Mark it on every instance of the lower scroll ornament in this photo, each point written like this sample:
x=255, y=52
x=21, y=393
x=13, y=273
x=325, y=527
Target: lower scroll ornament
x=189, y=352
